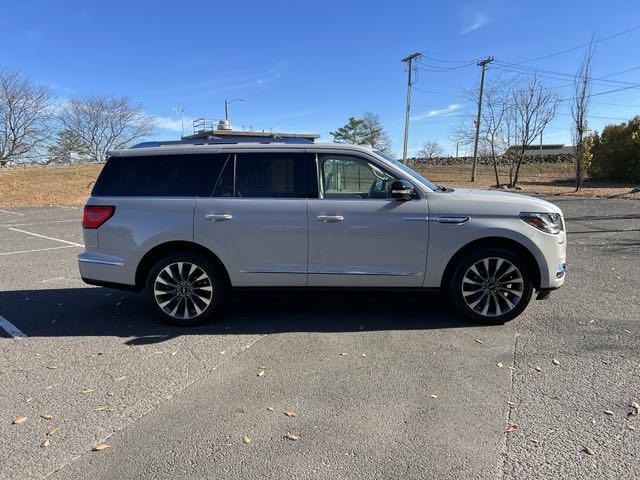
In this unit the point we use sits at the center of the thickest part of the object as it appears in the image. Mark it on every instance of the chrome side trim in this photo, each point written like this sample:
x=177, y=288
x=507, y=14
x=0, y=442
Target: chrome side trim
x=451, y=220
x=359, y=272
x=415, y=219
x=100, y=262
x=292, y=272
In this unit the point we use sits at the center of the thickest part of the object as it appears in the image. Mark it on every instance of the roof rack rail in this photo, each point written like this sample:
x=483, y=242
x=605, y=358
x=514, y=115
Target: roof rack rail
x=222, y=141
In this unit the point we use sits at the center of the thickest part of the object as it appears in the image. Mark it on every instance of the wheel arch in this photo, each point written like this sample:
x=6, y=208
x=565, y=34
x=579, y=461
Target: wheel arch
x=495, y=242
x=168, y=248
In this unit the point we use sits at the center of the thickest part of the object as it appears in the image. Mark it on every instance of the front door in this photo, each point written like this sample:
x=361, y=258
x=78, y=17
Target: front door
x=358, y=236
x=256, y=218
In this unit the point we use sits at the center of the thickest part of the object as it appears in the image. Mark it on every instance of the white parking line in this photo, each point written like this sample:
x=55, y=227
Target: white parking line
x=12, y=213
x=48, y=238
x=38, y=250
x=11, y=329
x=39, y=223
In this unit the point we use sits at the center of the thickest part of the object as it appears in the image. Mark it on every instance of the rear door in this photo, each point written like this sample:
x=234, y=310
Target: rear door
x=256, y=217
x=357, y=235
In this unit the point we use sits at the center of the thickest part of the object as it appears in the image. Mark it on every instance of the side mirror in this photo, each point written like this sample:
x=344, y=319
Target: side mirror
x=401, y=190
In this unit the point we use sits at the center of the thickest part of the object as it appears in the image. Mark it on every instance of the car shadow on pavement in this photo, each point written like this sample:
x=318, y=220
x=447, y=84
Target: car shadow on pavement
x=104, y=312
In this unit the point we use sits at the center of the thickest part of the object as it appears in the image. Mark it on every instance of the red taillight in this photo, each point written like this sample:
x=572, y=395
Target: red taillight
x=96, y=215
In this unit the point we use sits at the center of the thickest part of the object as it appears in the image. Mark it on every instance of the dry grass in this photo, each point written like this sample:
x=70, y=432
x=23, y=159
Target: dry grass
x=72, y=185
x=545, y=179
x=47, y=185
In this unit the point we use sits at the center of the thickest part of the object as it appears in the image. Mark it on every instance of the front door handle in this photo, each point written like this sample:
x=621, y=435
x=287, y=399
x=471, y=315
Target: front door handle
x=218, y=217
x=330, y=218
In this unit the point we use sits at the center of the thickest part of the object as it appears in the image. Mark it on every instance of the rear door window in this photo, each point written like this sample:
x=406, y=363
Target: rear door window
x=187, y=175
x=274, y=175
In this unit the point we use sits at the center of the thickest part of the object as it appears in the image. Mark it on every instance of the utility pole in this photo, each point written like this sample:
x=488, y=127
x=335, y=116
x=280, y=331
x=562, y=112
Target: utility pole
x=483, y=64
x=409, y=61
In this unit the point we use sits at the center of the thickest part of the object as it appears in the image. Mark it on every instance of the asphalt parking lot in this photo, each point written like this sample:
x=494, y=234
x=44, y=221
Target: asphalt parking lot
x=384, y=386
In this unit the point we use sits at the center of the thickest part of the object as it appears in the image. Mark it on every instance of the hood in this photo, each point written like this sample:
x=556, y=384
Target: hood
x=487, y=202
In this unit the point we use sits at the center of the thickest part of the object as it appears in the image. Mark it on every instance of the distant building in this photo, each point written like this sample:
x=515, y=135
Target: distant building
x=542, y=150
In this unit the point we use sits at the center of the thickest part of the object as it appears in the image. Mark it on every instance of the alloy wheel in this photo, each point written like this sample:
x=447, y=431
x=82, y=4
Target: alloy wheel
x=183, y=290
x=492, y=287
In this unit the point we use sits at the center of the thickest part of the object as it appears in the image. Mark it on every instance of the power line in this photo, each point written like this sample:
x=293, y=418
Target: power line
x=593, y=42
x=569, y=75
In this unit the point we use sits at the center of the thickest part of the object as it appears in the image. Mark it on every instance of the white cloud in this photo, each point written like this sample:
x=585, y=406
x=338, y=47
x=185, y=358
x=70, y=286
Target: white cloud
x=172, y=124
x=449, y=109
x=478, y=20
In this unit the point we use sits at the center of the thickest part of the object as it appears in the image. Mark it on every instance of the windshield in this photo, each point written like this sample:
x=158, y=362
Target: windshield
x=404, y=168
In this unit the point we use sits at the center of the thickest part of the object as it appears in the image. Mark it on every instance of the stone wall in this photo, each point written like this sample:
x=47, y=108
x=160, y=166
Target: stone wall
x=533, y=159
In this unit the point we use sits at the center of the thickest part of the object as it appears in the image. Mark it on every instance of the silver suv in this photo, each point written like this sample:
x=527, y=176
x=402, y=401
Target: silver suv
x=187, y=223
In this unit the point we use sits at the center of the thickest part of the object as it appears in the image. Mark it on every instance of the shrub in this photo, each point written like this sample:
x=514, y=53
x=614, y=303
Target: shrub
x=616, y=152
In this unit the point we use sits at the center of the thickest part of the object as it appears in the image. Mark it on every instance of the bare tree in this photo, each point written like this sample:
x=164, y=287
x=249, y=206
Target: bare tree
x=25, y=118
x=579, y=107
x=534, y=107
x=374, y=132
x=103, y=123
x=431, y=150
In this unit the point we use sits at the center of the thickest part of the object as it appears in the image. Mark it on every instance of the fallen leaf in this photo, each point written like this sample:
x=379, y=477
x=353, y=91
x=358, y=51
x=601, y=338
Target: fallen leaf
x=433, y=396
x=512, y=427
x=261, y=373
x=19, y=420
x=52, y=367
x=52, y=430
x=100, y=353
x=223, y=352
x=364, y=354
x=111, y=394
x=45, y=444
x=538, y=369
x=631, y=427
x=588, y=450
x=535, y=440
x=270, y=409
x=608, y=412
x=173, y=354
x=477, y=340
x=291, y=414
x=119, y=379
x=99, y=408
x=246, y=439
x=627, y=331
x=291, y=436
x=46, y=416
x=344, y=354
x=101, y=446
x=88, y=390
x=555, y=362
x=499, y=365
x=636, y=408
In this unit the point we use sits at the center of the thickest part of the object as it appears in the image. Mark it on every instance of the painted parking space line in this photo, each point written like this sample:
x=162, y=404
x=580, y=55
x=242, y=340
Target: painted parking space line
x=48, y=238
x=40, y=223
x=38, y=250
x=12, y=213
x=11, y=329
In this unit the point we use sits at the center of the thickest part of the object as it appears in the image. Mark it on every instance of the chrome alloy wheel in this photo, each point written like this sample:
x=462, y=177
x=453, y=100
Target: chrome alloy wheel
x=183, y=290
x=492, y=287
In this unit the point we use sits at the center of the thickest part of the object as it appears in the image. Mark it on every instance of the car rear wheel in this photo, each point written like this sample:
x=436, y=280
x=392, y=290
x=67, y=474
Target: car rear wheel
x=491, y=286
x=185, y=289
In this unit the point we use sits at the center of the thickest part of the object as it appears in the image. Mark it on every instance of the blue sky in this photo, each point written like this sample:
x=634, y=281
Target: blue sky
x=309, y=66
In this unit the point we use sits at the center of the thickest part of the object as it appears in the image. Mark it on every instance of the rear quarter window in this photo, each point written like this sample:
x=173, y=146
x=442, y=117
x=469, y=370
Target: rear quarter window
x=159, y=175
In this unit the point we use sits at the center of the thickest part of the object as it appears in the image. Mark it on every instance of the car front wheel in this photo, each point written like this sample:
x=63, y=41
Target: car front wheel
x=491, y=286
x=185, y=289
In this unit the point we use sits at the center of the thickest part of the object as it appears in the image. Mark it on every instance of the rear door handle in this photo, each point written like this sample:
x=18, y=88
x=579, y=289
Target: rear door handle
x=218, y=217
x=330, y=218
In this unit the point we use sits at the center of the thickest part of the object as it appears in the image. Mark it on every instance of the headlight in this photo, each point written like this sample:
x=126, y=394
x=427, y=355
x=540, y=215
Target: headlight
x=547, y=222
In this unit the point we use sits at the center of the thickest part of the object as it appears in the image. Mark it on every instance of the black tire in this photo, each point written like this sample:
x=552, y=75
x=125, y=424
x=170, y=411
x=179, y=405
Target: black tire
x=190, y=293
x=512, y=289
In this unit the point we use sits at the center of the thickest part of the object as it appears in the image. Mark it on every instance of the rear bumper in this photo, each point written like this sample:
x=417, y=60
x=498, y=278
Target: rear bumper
x=116, y=286
x=105, y=269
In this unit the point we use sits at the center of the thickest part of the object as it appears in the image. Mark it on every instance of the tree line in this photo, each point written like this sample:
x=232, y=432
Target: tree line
x=36, y=128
